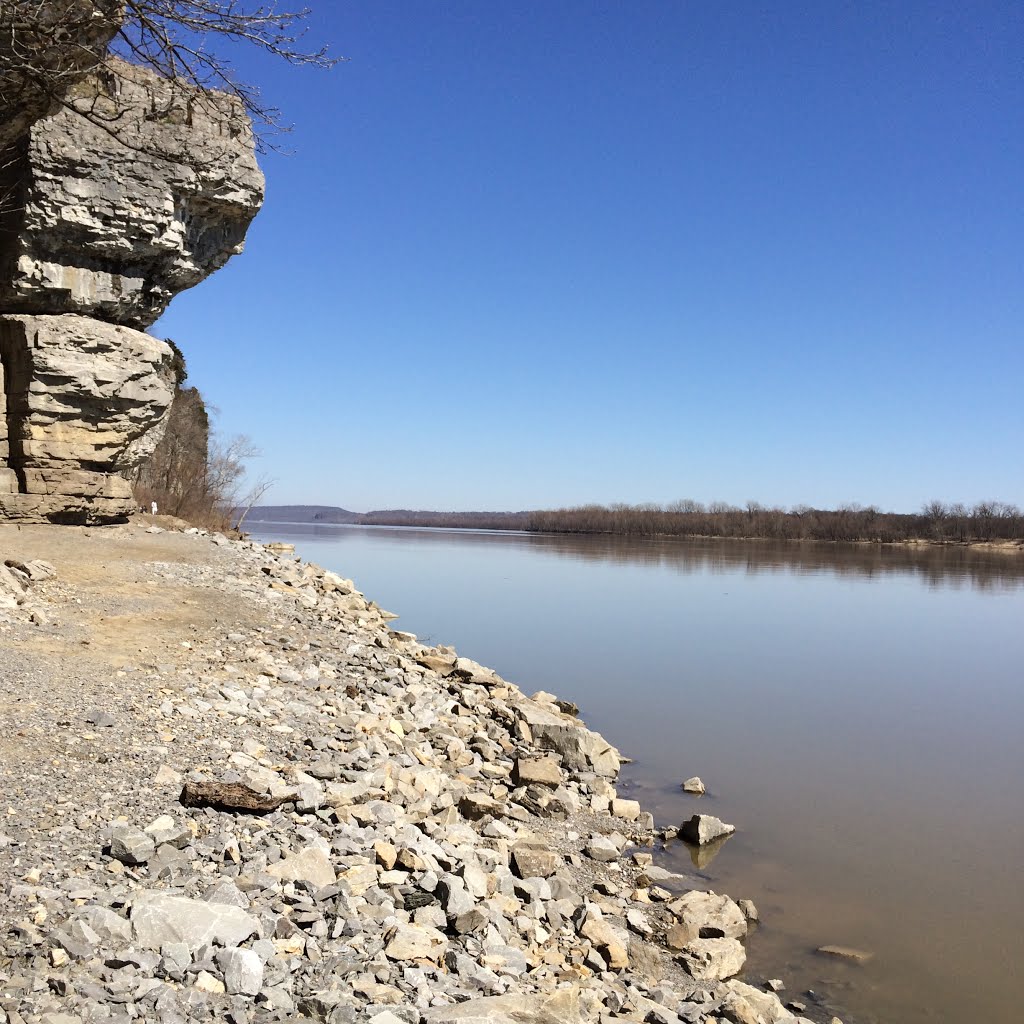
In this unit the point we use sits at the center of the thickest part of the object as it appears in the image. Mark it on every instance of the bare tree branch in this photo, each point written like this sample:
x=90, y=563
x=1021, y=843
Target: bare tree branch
x=46, y=46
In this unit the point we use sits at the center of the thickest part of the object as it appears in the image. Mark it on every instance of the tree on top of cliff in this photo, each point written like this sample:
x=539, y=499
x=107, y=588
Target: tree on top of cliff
x=46, y=46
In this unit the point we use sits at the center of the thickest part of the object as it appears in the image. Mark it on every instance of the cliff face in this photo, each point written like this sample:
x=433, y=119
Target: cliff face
x=129, y=193
x=82, y=402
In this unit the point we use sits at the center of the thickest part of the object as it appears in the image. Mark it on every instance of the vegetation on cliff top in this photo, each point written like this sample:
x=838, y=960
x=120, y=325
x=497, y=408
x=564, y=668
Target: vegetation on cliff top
x=193, y=473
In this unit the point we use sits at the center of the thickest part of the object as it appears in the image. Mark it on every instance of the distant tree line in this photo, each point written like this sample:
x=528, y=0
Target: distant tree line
x=937, y=521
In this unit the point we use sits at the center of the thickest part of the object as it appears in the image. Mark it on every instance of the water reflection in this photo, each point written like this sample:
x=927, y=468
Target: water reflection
x=854, y=710
x=702, y=856
x=935, y=566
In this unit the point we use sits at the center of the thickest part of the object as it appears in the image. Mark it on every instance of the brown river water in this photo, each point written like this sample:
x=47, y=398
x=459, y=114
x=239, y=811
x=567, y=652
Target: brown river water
x=855, y=711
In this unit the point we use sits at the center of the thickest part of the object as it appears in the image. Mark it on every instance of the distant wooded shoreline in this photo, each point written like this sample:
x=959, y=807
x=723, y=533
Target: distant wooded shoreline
x=982, y=523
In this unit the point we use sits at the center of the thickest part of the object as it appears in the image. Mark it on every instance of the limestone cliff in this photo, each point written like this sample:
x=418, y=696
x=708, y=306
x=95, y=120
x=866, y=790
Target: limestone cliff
x=79, y=400
x=132, y=192
x=128, y=191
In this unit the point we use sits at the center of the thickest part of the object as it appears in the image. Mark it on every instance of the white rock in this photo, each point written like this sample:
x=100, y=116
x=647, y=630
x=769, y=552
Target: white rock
x=415, y=942
x=704, y=828
x=309, y=865
x=158, y=919
x=243, y=971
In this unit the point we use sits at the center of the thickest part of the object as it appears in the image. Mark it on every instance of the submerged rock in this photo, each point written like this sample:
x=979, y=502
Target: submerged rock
x=859, y=956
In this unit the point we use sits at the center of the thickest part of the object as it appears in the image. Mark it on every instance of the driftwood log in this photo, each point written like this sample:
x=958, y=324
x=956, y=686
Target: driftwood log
x=228, y=796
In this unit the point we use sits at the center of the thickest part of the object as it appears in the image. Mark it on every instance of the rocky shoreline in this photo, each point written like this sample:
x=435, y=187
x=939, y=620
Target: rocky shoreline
x=233, y=792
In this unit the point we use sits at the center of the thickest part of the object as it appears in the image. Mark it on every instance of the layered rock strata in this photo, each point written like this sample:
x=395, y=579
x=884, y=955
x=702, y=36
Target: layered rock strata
x=78, y=400
x=133, y=191
x=128, y=190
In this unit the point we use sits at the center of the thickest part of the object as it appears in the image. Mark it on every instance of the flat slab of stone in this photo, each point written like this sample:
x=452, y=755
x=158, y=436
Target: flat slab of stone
x=415, y=942
x=159, y=919
x=533, y=860
x=537, y=771
x=562, y=1007
x=309, y=865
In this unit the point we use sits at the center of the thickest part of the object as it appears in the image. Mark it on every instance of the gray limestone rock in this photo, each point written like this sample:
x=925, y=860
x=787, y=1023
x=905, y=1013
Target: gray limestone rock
x=415, y=942
x=704, y=828
x=579, y=748
x=709, y=915
x=158, y=919
x=106, y=924
x=131, y=845
x=80, y=403
x=243, y=971
x=712, y=959
x=744, y=1002
x=112, y=220
x=533, y=860
x=309, y=865
x=601, y=848
x=542, y=771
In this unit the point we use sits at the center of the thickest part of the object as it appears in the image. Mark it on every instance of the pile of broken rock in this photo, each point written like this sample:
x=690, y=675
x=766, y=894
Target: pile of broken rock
x=391, y=834
x=16, y=584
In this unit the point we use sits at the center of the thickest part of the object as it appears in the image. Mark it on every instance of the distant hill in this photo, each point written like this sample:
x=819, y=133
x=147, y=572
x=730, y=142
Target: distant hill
x=462, y=520
x=301, y=514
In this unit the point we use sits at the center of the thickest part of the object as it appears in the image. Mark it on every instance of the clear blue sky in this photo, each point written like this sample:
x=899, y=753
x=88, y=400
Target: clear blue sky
x=528, y=254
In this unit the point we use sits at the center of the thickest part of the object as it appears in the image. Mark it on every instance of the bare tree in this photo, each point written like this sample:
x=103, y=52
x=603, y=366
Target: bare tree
x=46, y=46
x=196, y=475
x=254, y=497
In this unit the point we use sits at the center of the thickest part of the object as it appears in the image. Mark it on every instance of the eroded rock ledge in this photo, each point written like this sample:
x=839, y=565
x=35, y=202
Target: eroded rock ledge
x=132, y=192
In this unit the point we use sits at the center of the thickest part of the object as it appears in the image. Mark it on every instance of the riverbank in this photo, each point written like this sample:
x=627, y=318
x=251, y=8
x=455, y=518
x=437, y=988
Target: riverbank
x=402, y=835
x=995, y=525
